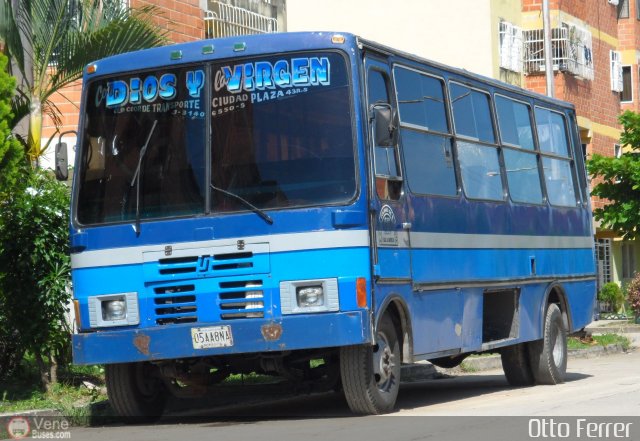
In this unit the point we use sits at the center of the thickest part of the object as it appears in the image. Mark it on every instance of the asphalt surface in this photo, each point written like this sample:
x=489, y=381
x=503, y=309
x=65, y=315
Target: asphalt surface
x=599, y=392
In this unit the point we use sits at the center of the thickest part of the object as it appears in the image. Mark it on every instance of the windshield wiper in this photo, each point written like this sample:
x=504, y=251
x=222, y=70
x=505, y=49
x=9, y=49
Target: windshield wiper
x=246, y=203
x=136, y=176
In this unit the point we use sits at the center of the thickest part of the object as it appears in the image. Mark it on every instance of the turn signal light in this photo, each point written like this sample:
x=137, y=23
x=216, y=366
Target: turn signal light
x=361, y=292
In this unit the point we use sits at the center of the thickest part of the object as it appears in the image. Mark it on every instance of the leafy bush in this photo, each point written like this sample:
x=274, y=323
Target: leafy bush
x=34, y=258
x=613, y=295
x=12, y=156
x=633, y=295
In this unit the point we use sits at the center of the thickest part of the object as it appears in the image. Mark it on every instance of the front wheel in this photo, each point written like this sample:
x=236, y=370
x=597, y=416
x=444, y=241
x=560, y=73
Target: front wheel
x=135, y=391
x=371, y=374
x=548, y=356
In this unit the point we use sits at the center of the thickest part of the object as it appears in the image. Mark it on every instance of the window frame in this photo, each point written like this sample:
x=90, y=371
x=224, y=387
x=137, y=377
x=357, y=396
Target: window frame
x=535, y=151
x=395, y=183
x=629, y=69
x=425, y=130
x=469, y=139
x=623, y=10
x=570, y=158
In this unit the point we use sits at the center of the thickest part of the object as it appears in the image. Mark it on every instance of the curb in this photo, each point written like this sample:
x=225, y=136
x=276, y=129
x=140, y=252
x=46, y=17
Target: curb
x=426, y=371
x=36, y=413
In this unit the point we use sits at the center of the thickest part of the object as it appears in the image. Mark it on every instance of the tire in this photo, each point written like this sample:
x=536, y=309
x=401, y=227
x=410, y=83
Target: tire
x=548, y=356
x=134, y=391
x=515, y=363
x=371, y=374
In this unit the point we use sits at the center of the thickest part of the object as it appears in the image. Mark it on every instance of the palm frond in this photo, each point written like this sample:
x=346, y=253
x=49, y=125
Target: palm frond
x=10, y=35
x=122, y=32
x=19, y=107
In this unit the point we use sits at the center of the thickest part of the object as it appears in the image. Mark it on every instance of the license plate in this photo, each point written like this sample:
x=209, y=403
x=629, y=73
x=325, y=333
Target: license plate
x=212, y=337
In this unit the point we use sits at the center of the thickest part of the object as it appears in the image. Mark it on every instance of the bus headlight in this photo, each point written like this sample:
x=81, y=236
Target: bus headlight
x=114, y=310
x=305, y=296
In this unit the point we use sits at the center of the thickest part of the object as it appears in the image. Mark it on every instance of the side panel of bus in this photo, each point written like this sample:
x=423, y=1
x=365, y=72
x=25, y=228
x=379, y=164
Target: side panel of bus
x=482, y=211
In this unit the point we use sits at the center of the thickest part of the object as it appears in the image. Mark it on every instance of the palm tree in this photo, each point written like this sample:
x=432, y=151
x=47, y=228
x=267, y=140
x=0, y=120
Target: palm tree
x=49, y=42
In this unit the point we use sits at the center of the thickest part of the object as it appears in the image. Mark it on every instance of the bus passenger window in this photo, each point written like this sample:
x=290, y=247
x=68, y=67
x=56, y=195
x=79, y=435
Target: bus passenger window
x=480, y=171
x=471, y=113
x=387, y=171
x=426, y=142
x=556, y=161
x=520, y=157
x=478, y=156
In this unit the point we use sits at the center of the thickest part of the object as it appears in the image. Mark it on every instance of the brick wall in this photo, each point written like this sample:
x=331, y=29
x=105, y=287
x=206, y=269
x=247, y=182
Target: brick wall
x=182, y=18
x=593, y=99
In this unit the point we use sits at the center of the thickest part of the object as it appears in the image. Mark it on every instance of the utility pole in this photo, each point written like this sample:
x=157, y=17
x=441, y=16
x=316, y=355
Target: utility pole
x=548, y=56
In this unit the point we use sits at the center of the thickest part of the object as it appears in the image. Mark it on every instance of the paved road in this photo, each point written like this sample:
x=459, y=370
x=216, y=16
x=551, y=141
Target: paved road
x=607, y=386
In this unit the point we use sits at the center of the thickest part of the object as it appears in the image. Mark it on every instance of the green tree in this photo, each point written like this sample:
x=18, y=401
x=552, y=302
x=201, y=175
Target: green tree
x=11, y=152
x=618, y=182
x=49, y=42
x=35, y=263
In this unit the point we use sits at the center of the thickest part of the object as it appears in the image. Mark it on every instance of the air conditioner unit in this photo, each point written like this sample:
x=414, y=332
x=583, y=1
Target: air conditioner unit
x=613, y=2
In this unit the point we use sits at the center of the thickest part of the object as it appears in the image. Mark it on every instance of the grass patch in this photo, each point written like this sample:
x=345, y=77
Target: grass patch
x=71, y=396
x=599, y=340
x=246, y=379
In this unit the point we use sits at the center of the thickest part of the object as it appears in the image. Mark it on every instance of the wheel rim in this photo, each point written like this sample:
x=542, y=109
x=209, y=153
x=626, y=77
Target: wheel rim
x=384, y=363
x=557, y=351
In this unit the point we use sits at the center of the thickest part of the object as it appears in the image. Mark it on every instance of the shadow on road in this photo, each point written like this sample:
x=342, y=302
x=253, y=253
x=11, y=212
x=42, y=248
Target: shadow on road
x=264, y=403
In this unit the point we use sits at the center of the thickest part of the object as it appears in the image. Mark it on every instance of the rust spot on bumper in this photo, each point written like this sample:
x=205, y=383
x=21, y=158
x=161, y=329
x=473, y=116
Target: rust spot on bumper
x=271, y=332
x=141, y=342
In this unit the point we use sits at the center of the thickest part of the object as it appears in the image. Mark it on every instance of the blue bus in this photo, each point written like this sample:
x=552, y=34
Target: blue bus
x=322, y=207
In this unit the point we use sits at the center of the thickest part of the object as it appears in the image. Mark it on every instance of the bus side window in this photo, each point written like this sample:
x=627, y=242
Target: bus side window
x=387, y=170
x=477, y=149
x=556, y=160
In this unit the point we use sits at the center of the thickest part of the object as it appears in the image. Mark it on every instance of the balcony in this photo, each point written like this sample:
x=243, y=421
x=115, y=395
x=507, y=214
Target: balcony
x=571, y=48
x=226, y=20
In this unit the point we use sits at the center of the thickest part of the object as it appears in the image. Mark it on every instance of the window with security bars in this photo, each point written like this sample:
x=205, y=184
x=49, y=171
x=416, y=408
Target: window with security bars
x=571, y=51
x=603, y=259
x=511, y=45
x=223, y=19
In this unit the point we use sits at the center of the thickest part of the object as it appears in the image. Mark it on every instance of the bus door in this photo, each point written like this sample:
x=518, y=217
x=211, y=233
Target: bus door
x=389, y=214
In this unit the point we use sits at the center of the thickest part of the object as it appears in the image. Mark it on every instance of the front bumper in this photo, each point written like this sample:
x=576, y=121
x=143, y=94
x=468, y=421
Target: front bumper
x=174, y=341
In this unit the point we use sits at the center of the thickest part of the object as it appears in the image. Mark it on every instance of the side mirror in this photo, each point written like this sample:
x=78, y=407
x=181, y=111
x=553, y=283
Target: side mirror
x=62, y=162
x=383, y=120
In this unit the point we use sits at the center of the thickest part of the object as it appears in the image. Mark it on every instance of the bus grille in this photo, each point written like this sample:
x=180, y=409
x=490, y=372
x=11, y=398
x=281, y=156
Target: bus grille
x=205, y=264
x=241, y=299
x=175, y=304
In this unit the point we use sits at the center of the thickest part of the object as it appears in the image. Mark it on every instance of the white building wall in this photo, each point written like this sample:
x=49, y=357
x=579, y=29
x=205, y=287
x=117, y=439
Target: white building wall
x=454, y=32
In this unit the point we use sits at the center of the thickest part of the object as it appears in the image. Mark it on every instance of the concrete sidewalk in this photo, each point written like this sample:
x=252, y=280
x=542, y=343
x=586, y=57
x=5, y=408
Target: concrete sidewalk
x=621, y=327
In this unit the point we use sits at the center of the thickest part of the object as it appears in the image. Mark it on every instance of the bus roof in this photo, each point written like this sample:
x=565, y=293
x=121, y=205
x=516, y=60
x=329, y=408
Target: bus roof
x=251, y=45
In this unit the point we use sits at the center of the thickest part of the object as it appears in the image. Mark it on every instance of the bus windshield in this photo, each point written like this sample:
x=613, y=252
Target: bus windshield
x=280, y=136
x=281, y=132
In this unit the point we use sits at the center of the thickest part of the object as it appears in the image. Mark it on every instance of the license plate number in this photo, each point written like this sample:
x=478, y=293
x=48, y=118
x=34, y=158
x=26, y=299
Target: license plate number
x=212, y=337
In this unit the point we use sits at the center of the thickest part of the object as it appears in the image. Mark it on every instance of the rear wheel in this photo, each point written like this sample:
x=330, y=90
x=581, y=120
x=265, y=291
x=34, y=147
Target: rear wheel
x=515, y=363
x=371, y=374
x=548, y=356
x=135, y=390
